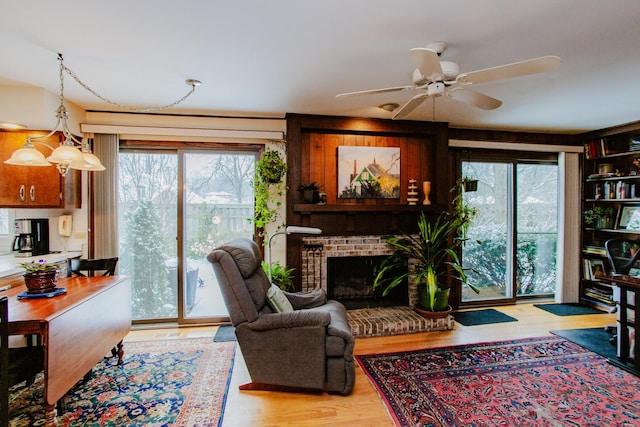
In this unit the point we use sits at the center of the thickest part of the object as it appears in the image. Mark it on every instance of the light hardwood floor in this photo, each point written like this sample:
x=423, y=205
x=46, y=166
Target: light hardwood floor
x=363, y=407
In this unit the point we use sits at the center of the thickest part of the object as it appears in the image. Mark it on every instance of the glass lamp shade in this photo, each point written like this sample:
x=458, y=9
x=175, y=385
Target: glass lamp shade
x=90, y=162
x=66, y=154
x=27, y=157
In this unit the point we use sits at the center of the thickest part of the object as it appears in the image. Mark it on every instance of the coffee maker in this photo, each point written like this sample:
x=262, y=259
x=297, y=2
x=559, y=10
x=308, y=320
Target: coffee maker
x=31, y=237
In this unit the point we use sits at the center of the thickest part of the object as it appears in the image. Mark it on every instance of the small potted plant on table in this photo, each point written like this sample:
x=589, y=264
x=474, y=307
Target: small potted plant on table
x=40, y=277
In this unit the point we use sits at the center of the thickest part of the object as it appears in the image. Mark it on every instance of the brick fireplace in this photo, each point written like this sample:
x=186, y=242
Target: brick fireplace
x=317, y=251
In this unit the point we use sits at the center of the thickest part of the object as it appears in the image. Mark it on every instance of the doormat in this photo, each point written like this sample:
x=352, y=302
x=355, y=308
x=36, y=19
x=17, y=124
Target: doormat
x=225, y=334
x=482, y=317
x=177, y=382
x=568, y=309
x=545, y=381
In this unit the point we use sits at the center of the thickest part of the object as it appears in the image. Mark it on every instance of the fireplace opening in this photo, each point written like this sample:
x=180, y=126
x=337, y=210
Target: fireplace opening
x=350, y=281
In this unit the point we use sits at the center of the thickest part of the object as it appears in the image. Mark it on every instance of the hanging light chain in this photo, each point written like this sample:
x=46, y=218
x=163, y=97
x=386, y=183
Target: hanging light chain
x=192, y=82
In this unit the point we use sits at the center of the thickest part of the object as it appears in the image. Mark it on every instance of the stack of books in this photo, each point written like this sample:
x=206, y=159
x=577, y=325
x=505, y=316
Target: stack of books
x=634, y=143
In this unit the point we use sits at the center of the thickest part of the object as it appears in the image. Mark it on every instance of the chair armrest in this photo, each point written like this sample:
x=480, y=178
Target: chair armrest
x=294, y=319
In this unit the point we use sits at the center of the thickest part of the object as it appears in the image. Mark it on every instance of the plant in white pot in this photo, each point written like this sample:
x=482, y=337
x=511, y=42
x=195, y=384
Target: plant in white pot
x=431, y=254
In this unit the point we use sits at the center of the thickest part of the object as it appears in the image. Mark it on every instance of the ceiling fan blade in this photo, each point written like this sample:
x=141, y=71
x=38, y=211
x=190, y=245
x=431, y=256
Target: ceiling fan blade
x=474, y=98
x=522, y=68
x=374, y=91
x=428, y=63
x=411, y=105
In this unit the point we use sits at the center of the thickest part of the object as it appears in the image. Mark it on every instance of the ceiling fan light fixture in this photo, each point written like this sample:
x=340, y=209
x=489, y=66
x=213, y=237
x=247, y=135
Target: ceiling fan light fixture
x=390, y=106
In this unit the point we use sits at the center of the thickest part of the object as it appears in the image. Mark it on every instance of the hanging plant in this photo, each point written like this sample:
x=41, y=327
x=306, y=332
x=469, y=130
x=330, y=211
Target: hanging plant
x=469, y=184
x=268, y=188
x=271, y=167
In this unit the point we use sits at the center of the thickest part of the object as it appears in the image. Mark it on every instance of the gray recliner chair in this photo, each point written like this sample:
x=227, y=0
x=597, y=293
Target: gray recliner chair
x=307, y=349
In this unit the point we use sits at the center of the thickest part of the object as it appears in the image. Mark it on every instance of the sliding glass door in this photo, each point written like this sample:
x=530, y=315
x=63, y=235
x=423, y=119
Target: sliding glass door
x=217, y=206
x=175, y=206
x=511, y=251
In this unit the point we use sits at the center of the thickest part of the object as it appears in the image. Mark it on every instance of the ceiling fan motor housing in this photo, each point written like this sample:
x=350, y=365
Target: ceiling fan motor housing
x=435, y=89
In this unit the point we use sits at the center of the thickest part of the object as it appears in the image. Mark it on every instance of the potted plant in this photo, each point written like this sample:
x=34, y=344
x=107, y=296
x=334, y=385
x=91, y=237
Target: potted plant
x=310, y=192
x=271, y=167
x=40, y=276
x=598, y=217
x=281, y=275
x=431, y=253
x=469, y=184
x=268, y=188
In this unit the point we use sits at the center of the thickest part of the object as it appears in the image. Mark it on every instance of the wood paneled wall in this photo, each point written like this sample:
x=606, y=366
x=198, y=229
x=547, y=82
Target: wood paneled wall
x=320, y=159
x=312, y=145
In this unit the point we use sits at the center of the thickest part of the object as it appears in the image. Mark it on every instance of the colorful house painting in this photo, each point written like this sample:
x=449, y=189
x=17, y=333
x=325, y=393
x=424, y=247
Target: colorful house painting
x=373, y=172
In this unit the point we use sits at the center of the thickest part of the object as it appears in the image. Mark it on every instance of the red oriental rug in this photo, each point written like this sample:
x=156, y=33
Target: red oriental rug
x=546, y=381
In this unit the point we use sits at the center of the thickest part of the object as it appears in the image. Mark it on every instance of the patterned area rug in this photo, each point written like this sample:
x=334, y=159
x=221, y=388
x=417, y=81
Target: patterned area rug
x=182, y=382
x=545, y=381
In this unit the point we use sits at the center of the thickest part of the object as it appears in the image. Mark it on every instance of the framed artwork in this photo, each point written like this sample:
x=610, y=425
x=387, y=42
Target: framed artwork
x=596, y=269
x=629, y=218
x=368, y=172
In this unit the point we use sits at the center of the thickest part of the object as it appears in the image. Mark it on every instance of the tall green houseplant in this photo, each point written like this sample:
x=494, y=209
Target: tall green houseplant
x=431, y=253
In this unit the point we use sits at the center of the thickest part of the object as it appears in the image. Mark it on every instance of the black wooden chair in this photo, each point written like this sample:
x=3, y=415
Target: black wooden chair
x=91, y=267
x=17, y=365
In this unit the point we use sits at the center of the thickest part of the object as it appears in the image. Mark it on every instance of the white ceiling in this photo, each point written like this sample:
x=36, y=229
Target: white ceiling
x=267, y=58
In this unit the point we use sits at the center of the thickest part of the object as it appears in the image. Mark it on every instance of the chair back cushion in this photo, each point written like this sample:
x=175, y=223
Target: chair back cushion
x=243, y=283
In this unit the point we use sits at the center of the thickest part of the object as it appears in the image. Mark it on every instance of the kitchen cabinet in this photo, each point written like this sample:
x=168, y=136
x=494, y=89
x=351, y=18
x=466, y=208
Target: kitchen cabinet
x=35, y=186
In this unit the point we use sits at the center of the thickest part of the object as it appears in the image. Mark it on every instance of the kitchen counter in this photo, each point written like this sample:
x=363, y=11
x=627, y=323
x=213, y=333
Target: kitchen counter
x=9, y=264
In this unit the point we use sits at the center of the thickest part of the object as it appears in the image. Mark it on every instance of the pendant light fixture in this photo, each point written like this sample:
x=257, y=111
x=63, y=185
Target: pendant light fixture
x=72, y=153
x=66, y=155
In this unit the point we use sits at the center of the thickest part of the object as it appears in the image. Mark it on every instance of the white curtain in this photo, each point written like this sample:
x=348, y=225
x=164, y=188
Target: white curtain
x=105, y=197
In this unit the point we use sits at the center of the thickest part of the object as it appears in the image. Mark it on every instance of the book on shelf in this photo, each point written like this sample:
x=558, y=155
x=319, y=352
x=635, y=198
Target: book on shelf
x=597, y=148
x=596, y=294
x=602, y=305
x=594, y=250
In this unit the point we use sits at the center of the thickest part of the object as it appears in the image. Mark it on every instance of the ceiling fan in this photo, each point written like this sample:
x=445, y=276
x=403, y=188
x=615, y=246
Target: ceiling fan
x=435, y=78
